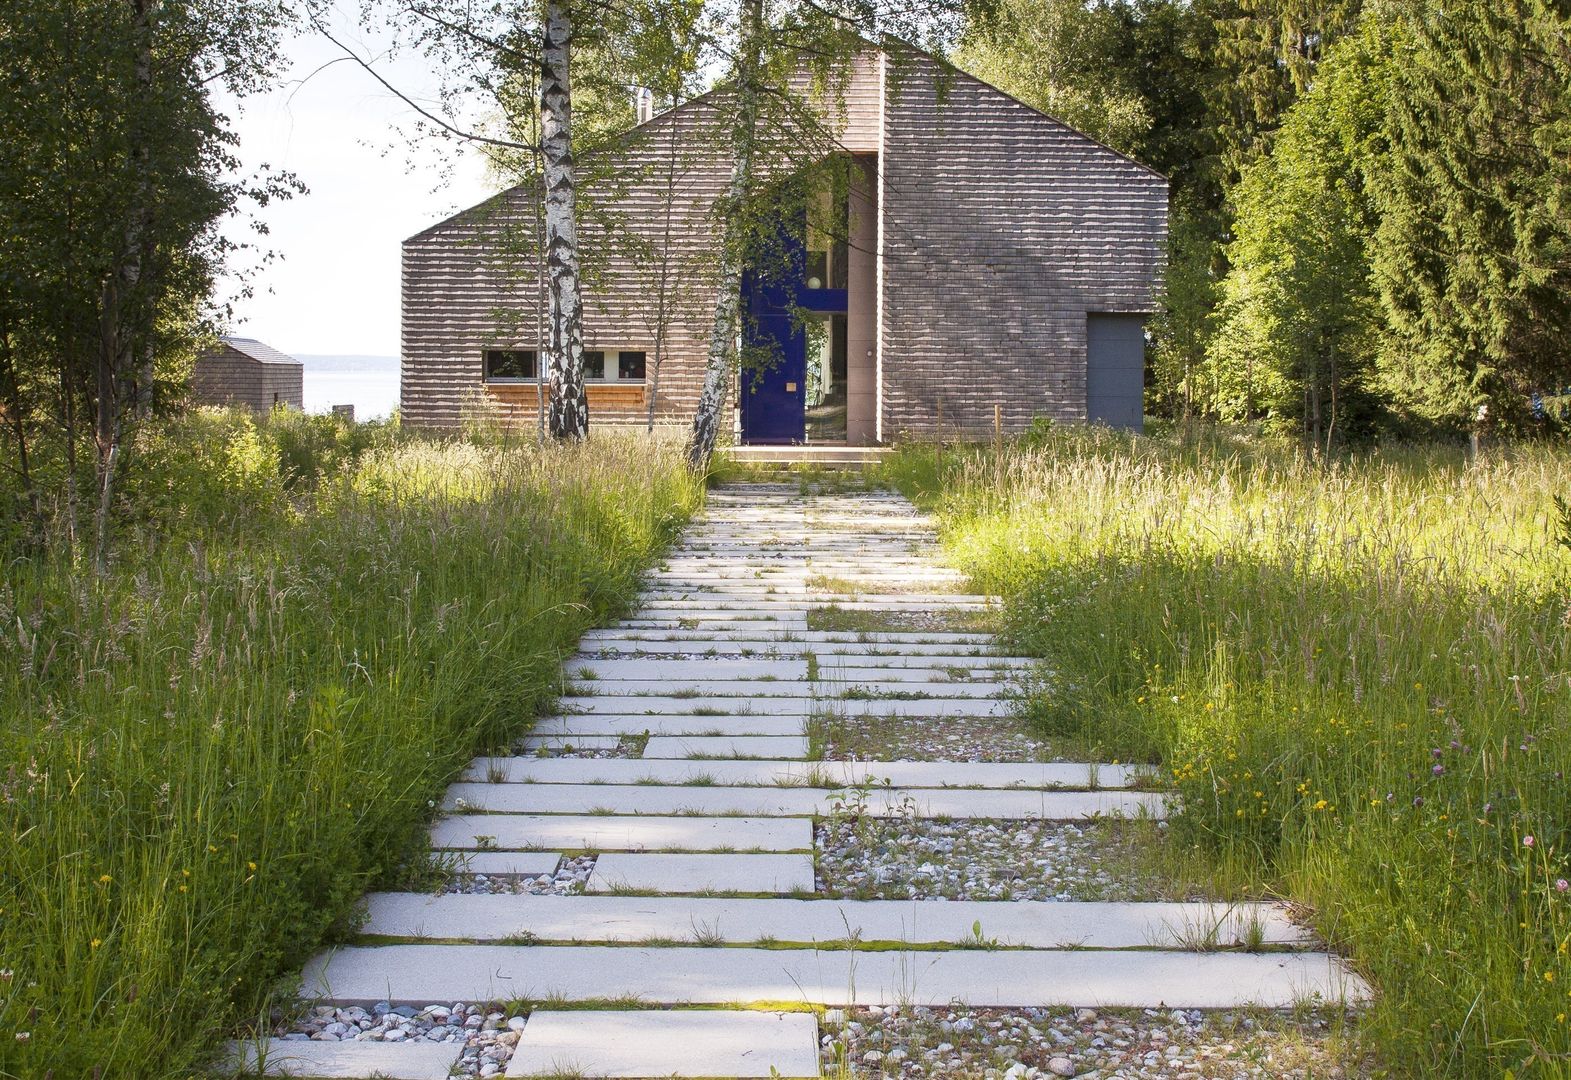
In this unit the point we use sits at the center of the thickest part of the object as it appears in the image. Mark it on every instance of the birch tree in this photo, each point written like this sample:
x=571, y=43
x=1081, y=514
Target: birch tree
x=725, y=326
x=568, y=412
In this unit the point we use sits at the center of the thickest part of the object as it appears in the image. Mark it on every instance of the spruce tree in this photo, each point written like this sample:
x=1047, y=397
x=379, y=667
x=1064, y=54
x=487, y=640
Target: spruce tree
x=1473, y=254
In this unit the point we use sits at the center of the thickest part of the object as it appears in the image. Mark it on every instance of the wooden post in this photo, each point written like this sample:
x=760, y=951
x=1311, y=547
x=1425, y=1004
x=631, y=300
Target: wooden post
x=998, y=427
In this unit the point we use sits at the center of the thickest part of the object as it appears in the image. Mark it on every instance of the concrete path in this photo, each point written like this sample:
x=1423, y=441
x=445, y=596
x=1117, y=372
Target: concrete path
x=694, y=840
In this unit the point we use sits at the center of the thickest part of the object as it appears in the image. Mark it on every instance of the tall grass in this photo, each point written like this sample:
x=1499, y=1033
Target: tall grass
x=1357, y=676
x=208, y=754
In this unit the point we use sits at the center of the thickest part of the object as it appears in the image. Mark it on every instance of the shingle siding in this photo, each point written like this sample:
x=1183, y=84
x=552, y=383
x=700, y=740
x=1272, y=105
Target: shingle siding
x=228, y=376
x=471, y=282
x=1001, y=229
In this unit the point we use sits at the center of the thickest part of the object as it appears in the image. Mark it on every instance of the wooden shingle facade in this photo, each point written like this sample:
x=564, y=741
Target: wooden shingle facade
x=243, y=371
x=996, y=267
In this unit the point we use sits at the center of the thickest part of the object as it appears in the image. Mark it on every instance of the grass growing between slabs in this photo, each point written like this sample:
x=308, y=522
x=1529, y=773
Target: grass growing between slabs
x=1355, y=674
x=208, y=753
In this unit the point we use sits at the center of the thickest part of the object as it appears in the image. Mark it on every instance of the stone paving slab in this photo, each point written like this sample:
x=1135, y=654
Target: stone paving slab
x=926, y=706
x=725, y=746
x=572, y=742
x=978, y=978
x=832, y=687
x=611, y=672
x=675, y=874
x=669, y=724
x=668, y=1043
x=970, y=670
x=961, y=803
x=648, y=832
x=586, y=706
x=632, y=692
x=803, y=637
x=797, y=773
x=866, y=651
x=345, y=1060
x=1030, y=923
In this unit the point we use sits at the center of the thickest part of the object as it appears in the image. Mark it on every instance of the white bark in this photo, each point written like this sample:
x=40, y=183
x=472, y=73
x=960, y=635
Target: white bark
x=569, y=407
x=722, y=335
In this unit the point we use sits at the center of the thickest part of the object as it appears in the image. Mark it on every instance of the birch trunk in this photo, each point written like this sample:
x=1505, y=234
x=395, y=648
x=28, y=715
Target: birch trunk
x=568, y=414
x=119, y=289
x=722, y=336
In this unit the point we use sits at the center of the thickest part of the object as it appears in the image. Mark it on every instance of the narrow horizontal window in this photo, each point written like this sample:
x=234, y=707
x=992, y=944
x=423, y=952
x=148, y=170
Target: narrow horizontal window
x=504, y=364
x=594, y=364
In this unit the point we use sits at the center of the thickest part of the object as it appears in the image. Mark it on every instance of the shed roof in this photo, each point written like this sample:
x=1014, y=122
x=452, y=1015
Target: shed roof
x=258, y=351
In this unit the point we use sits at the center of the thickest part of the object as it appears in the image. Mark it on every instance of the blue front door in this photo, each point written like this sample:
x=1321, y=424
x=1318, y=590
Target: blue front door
x=773, y=389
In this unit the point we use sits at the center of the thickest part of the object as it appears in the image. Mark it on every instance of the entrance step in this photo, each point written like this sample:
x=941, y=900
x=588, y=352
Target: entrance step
x=845, y=457
x=1040, y=924
x=362, y=975
x=668, y=1043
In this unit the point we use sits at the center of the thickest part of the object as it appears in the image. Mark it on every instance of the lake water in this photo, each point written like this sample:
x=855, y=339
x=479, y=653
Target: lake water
x=369, y=383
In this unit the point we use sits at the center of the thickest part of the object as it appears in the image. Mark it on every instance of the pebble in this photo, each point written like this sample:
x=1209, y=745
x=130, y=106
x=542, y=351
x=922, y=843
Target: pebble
x=568, y=880
x=903, y=859
x=1041, y=1044
x=488, y=1035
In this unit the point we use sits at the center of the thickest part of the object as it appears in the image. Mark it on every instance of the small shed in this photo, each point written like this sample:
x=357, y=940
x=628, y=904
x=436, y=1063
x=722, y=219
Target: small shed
x=243, y=371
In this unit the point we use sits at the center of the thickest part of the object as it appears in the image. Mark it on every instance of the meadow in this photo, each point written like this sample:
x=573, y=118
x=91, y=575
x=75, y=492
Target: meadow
x=1355, y=673
x=208, y=753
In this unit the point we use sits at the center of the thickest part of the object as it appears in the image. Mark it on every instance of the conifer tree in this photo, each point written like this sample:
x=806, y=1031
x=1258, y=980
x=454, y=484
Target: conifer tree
x=1473, y=253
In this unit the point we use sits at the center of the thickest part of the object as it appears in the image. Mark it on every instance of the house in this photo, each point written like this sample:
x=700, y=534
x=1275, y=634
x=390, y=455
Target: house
x=995, y=266
x=243, y=371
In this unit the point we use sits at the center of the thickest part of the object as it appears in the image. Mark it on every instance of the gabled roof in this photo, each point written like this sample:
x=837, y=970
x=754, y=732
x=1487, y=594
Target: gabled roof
x=258, y=351
x=705, y=99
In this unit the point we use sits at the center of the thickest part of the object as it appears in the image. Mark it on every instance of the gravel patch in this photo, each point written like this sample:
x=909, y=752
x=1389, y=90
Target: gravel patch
x=627, y=746
x=488, y=1034
x=569, y=879
x=1027, y=1044
x=939, y=620
x=869, y=858
x=929, y=738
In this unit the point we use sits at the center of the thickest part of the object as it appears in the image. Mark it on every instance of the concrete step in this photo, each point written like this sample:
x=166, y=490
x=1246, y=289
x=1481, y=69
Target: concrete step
x=787, y=773
x=1013, y=924
x=964, y=804
x=668, y=1043
x=597, y=832
x=979, y=978
x=684, y=873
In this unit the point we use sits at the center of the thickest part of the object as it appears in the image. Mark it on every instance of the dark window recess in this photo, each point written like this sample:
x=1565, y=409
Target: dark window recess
x=511, y=364
x=594, y=364
x=629, y=365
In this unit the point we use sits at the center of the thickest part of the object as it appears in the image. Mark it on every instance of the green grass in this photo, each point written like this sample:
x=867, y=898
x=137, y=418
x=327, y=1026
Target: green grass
x=210, y=752
x=1354, y=673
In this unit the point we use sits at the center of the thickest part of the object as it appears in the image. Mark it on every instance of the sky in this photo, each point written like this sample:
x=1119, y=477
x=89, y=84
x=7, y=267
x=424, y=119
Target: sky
x=334, y=287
